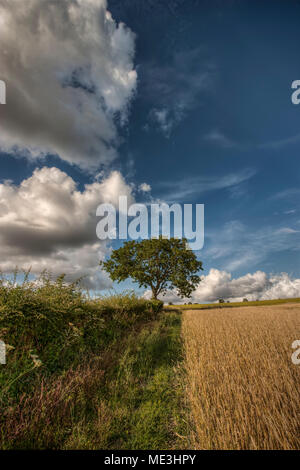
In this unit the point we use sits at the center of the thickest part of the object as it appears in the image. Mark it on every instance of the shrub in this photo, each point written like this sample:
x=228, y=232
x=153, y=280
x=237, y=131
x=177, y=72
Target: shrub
x=125, y=305
x=155, y=305
x=51, y=325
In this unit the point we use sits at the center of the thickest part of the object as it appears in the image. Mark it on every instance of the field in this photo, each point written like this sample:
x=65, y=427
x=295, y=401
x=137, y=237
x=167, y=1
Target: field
x=236, y=304
x=242, y=387
x=123, y=373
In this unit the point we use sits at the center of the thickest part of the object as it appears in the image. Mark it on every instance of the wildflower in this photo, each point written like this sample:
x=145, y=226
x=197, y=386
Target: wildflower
x=36, y=361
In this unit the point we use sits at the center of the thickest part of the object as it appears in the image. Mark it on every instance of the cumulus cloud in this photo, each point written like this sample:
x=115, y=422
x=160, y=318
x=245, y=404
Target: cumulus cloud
x=68, y=67
x=47, y=223
x=257, y=286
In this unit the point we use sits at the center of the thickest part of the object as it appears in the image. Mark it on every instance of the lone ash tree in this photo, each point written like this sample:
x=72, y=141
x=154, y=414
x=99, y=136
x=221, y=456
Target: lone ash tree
x=160, y=264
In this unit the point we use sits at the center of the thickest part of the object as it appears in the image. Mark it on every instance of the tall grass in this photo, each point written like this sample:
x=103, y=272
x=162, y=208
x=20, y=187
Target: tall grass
x=139, y=405
x=242, y=387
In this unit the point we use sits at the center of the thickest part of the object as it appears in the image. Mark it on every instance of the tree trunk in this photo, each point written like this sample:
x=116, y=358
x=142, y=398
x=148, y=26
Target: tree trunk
x=154, y=295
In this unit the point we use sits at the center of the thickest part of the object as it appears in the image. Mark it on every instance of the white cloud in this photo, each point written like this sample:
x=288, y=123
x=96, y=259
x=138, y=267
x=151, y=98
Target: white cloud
x=238, y=246
x=278, y=144
x=290, y=211
x=290, y=194
x=46, y=222
x=163, y=117
x=287, y=230
x=175, y=89
x=218, y=138
x=145, y=188
x=69, y=73
x=257, y=286
x=189, y=187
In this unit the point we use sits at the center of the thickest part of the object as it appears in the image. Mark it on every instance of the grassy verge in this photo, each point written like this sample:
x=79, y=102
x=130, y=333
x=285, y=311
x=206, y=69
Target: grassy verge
x=139, y=403
x=234, y=304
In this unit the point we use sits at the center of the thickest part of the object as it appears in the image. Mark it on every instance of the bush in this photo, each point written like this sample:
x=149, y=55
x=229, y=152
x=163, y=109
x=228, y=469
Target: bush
x=49, y=321
x=50, y=325
x=59, y=343
x=127, y=306
x=155, y=305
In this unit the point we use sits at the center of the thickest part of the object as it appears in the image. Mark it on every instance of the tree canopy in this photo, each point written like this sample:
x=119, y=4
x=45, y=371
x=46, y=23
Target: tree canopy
x=159, y=264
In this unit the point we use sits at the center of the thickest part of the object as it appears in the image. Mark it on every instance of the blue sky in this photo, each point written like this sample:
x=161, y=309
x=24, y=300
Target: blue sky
x=207, y=118
x=241, y=122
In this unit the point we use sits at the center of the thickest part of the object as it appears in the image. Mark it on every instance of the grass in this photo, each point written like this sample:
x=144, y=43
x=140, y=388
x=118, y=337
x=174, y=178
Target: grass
x=234, y=304
x=241, y=385
x=87, y=373
x=139, y=401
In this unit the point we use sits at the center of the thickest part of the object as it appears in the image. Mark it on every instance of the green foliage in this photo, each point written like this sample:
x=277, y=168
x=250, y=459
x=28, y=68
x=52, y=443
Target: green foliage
x=155, y=305
x=141, y=399
x=86, y=373
x=126, y=306
x=50, y=325
x=50, y=318
x=160, y=264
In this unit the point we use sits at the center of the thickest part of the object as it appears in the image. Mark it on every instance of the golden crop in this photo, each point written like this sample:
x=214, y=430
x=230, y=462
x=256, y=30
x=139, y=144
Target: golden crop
x=242, y=388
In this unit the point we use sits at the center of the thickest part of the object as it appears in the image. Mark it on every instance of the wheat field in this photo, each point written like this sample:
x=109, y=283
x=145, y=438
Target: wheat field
x=243, y=390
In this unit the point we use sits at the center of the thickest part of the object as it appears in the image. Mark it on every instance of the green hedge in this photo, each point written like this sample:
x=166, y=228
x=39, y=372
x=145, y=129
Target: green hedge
x=49, y=326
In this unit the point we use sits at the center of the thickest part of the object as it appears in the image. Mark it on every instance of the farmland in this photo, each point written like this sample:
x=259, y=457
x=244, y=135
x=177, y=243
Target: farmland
x=251, y=303
x=241, y=385
x=122, y=373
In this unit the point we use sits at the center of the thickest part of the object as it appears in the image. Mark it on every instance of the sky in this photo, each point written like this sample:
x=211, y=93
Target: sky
x=185, y=101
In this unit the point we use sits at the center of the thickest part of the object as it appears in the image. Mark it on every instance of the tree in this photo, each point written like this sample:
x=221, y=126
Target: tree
x=159, y=263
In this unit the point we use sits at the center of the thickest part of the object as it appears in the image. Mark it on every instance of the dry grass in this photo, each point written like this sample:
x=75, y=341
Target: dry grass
x=45, y=419
x=242, y=387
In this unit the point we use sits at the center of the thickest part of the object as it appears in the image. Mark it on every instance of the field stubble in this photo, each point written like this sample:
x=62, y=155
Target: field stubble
x=242, y=387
